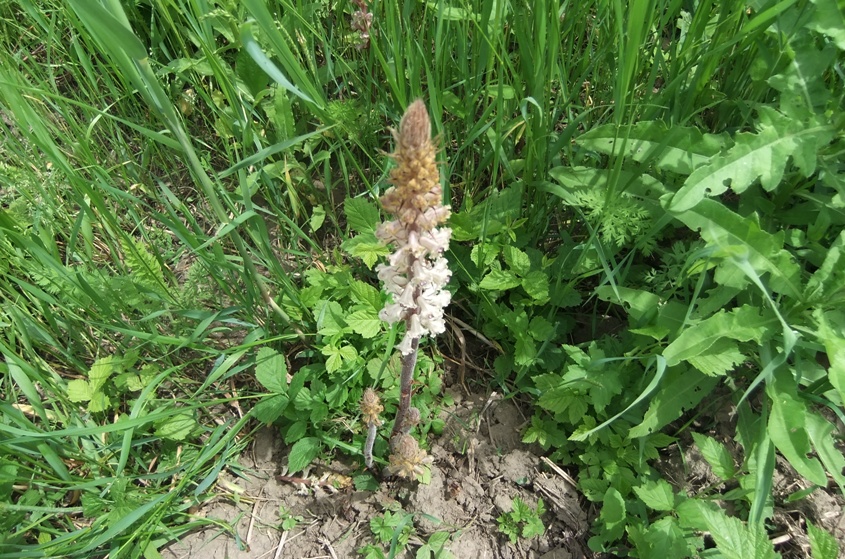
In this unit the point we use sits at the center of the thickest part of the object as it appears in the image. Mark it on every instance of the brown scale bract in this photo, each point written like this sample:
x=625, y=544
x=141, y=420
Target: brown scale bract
x=415, y=179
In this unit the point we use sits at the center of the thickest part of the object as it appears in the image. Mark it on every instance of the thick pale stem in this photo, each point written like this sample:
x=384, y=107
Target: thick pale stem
x=409, y=363
x=368, y=446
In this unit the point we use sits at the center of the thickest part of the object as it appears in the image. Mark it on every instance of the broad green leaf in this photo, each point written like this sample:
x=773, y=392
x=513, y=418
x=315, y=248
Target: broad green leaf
x=666, y=539
x=822, y=544
x=681, y=390
x=787, y=429
x=101, y=370
x=829, y=279
x=657, y=495
x=296, y=431
x=329, y=315
x=516, y=260
x=366, y=294
x=676, y=148
x=253, y=77
x=366, y=247
x=734, y=539
x=741, y=237
x=720, y=460
x=641, y=306
x=176, y=427
x=834, y=345
x=744, y=324
x=270, y=408
x=821, y=435
x=536, y=284
x=99, y=402
x=762, y=155
x=719, y=359
x=364, y=322
x=829, y=19
x=613, y=513
x=541, y=329
x=361, y=214
x=79, y=390
x=271, y=370
x=303, y=453
x=801, y=93
x=499, y=280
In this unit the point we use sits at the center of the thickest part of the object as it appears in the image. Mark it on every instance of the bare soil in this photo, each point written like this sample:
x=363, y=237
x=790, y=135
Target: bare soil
x=479, y=466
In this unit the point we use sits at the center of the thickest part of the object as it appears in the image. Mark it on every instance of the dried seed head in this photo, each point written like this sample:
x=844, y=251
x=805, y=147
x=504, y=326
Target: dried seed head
x=407, y=459
x=371, y=407
x=415, y=179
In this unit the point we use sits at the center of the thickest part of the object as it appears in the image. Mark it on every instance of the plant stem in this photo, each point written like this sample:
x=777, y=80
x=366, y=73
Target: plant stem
x=409, y=363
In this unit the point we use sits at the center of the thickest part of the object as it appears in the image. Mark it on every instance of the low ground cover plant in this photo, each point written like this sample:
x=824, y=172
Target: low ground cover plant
x=646, y=253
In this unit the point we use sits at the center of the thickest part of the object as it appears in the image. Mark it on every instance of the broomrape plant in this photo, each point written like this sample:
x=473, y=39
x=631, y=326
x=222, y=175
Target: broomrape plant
x=415, y=275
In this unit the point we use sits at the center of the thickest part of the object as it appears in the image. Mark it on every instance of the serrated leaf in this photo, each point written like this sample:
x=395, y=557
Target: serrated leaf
x=99, y=402
x=79, y=390
x=517, y=261
x=146, y=269
x=361, y=214
x=829, y=19
x=788, y=433
x=271, y=370
x=303, y=453
x=541, y=329
x=270, y=408
x=657, y=495
x=681, y=390
x=295, y=432
x=719, y=359
x=716, y=454
x=176, y=427
x=741, y=237
x=676, y=148
x=366, y=247
x=364, y=322
x=760, y=156
x=499, y=280
x=613, y=513
x=365, y=294
x=329, y=315
x=822, y=544
x=743, y=324
x=666, y=539
x=536, y=284
x=734, y=539
x=834, y=346
x=101, y=370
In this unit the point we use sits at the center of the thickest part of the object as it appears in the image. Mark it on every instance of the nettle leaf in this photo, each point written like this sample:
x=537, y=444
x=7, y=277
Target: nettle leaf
x=303, y=453
x=657, y=495
x=361, y=214
x=271, y=370
x=734, y=539
x=740, y=237
x=760, y=156
x=517, y=261
x=743, y=324
x=365, y=322
x=822, y=544
x=787, y=429
x=716, y=454
x=829, y=19
x=366, y=247
x=676, y=148
x=681, y=390
x=500, y=280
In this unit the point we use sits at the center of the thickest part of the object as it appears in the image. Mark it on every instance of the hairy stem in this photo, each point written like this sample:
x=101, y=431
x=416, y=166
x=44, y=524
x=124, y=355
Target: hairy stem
x=409, y=362
x=368, y=446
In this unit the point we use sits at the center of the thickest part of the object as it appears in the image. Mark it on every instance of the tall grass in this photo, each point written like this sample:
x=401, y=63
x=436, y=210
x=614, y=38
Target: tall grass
x=163, y=164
